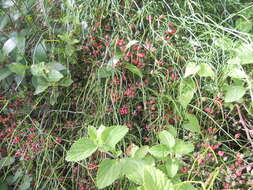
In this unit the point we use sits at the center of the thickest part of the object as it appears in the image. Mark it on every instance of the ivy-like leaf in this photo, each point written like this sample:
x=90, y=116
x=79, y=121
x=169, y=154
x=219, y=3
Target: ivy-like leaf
x=192, y=124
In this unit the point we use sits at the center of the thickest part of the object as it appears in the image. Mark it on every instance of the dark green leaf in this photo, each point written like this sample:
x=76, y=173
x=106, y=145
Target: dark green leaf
x=4, y=73
x=17, y=68
x=135, y=70
x=6, y=161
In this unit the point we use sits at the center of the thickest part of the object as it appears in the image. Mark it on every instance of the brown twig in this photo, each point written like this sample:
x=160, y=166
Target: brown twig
x=244, y=124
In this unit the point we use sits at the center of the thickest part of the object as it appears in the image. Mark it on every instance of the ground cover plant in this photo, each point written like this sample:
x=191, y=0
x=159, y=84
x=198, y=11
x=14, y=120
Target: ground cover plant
x=126, y=95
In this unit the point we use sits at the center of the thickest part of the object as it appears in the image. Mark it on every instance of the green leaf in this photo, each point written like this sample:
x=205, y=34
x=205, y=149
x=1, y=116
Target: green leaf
x=205, y=70
x=154, y=179
x=9, y=45
x=245, y=53
x=3, y=186
x=66, y=81
x=235, y=71
x=159, y=151
x=166, y=138
x=54, y=96
x=54, y=76
x=224, y=43
x=133, y=169
x=187, y=89
x=38, y=69
x=40, y=84
x=172, y=130
x=26, y=183
x=109, y=170
x=92, y=132
x=182, y=147
x=234, y=93
x=243, y=25
x=112, y=135
x=135, y=70
x=40, y=53
x=6, y=161
x=185, y=186
x=81, y=150
x=192, y=124
x=17, y=68
x=4, y=73
x=172, y=167
x=191, y=69
x=141, y=152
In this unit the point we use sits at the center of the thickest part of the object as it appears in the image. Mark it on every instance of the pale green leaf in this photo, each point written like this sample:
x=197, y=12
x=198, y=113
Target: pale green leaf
x=133, y=169
x=54, y=76
x=187, y=89
x=182, y=147
x=166, y=138
x=192, y=124
x=112, y=135
x=172, y=167
x=234, y=93
x=9, y=45
x=191, y=69
x=80, y=150
x=141, y=152
x=205, y=70
x=159, y=151
x=17, y=68
x=109, y=170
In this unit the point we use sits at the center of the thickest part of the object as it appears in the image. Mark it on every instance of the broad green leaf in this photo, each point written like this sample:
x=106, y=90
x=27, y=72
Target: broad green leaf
x=26, y=183
x=54, y=76
x=112, y=135
x=185, y=186
x=109, y=170
x=6, y=161
x=21, y=43
x=154, y=179
x=133, y=169
x=187, y=89
x=192, y=124
x=141, y=152
x=235, y=71
x=166, y=138
x=205, y=70
x=224, y=43
x=38, y=69
x=234, y=93
x=159, y=151
x=92, y=132
x=182, y=147
x=245, y=53
x=56, y=66
x=172, y=130
x=4, y=73
x=191, y=69
x=40, y=52
x=243, y=25
x=66, y=81
x=40, y=84
x=135, y=70
x=17, y=68
x=10, y=45
x=12, y=179
x=172, y=167
x=81, y=150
